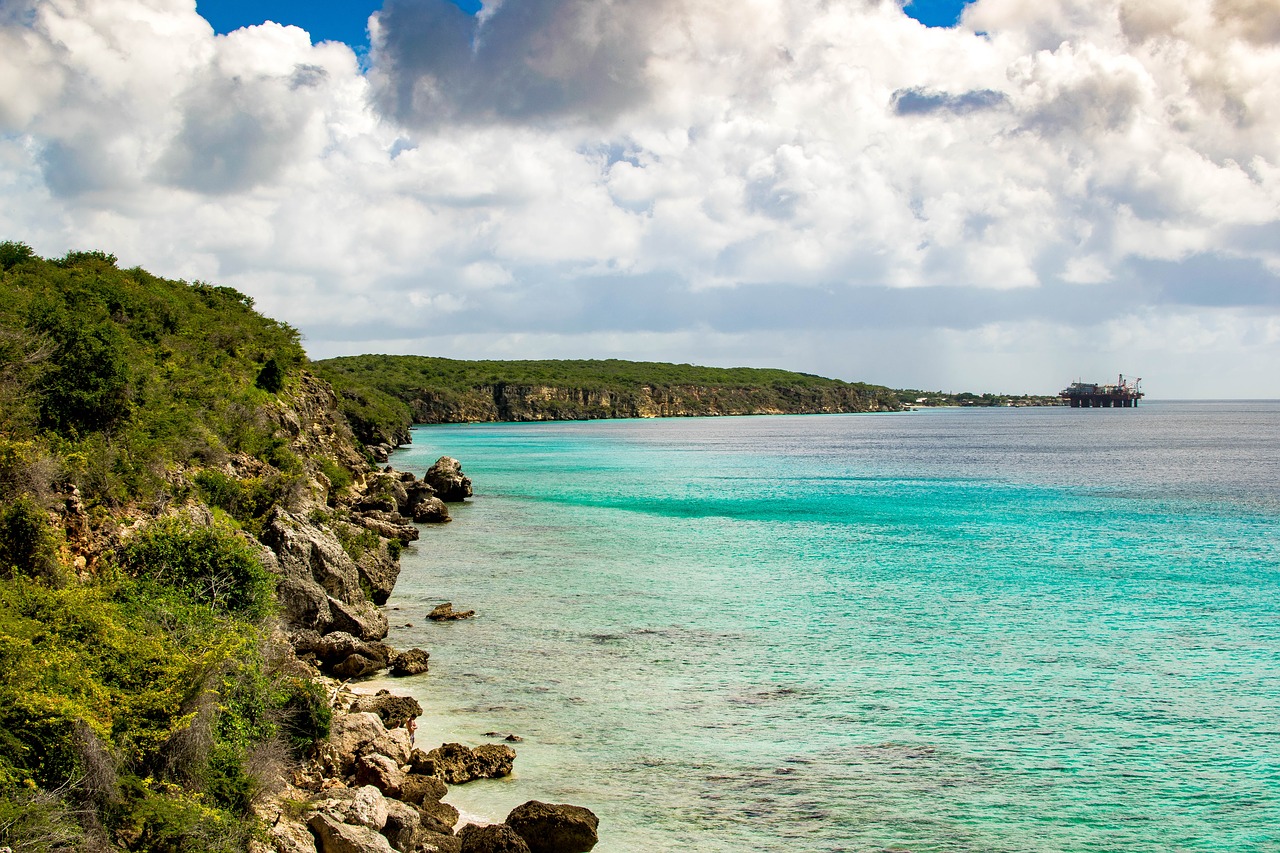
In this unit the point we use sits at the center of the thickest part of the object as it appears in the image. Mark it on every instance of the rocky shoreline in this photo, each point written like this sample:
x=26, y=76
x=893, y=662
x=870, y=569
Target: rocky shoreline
x=369, y=788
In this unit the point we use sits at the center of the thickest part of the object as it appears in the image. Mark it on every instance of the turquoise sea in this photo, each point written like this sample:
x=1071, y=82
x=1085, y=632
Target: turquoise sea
x=947, y=630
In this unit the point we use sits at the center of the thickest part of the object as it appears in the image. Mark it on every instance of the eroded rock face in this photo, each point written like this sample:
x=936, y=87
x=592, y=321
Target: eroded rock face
x=554, y=828
x=496, y=838
x=388, y=525
x=309, y=557
x=379, y=571
x=458, y=764
x=349, y=734
x=361, y=618
x=448, y=481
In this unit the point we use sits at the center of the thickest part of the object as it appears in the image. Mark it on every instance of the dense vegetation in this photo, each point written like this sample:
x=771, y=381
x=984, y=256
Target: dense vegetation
x=141, y=704
x=449, y=389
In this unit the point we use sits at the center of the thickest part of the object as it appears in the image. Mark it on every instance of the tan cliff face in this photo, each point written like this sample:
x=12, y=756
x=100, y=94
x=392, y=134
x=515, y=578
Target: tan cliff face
x=503, y=402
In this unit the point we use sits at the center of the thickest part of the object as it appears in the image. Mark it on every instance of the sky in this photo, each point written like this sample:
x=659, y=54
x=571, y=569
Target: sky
x=999, y=196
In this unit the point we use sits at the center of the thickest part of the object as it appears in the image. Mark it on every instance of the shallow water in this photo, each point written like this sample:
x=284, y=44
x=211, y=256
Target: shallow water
x=951, y=630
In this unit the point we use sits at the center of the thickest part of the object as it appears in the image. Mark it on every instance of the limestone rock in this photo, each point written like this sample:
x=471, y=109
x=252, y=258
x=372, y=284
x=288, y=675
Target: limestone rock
x=394, y=744
x=430, y=842
x=304, y=603
x=418, y=788
x=379, y=571
x=496, y=838
x=416, y=493
x=380, y=772
x=402, y=827
x=388, y=525
x=446, y=613
x=457, y=764
x=342, y=654
x=554, y=828
x=290, y=837
x=335, y=837
x=410, y=662
x=368, y=808
x=448, y=481
x=362, y=618
x=431, y=511
x=305, y=551
x=394, y=711
x=349, y=734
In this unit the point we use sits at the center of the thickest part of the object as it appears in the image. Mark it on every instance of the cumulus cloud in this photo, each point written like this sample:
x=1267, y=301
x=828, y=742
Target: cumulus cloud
x=818, y=184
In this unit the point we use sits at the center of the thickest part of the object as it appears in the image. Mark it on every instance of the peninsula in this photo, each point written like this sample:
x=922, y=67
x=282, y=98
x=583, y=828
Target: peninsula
x=383, y=395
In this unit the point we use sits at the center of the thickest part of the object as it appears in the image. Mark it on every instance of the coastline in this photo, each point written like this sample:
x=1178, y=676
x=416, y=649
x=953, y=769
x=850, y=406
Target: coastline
x=379, y=778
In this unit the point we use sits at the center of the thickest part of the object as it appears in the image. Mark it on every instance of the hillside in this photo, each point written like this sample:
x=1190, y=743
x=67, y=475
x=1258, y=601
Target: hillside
x=442, y=390
x=190, y=536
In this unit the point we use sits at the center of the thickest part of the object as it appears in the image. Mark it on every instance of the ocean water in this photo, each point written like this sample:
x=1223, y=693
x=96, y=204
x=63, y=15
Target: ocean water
x=949, y=630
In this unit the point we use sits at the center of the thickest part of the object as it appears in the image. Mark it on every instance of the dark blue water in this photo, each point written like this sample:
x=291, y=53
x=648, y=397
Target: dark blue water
x=951, y=630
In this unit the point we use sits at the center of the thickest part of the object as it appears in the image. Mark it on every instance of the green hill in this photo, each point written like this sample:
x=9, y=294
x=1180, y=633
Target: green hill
x=146, y=427
x=442, y=390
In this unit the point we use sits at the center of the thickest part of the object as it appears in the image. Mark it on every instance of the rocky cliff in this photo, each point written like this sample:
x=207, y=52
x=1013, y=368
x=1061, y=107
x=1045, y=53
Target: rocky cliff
x=510, y=402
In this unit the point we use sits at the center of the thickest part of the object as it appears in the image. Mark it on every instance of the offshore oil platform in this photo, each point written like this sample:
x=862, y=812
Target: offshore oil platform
x=1125, y=394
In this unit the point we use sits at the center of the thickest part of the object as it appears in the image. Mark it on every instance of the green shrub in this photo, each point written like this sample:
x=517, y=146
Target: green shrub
x=26, y=542
x=211, y=565
x=305, y=714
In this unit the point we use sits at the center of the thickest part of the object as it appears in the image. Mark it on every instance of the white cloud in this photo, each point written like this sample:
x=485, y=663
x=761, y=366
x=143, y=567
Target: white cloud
x=825, y=185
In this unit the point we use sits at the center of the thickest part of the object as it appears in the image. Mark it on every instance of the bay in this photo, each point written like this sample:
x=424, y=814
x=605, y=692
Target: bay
x=944, y=630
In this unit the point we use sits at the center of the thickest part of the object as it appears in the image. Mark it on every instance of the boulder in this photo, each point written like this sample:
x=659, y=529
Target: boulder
x=457, y=764
x=446, y=613
x=496, y=838
x=367, y=808
x=402, y=827
x=395, y=711
x=333, y=836
x=349, y=735
x=380, y=772
x=554, y=828
x=431, y=511
x=394, y=745
x=355, y=666
x=437, y=817
x=431, y=842
x=410, y=662
x=418, y=788
x=287, y=836
x=448, y=481
x=416, y=493
x=342, y=654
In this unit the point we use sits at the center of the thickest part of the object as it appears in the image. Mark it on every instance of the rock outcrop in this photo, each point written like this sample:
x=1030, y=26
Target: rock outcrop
x=410, y=662
x=554, y=827
x=445, y=477
x=458, y=764
x=394, y=711
x=446, y=613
